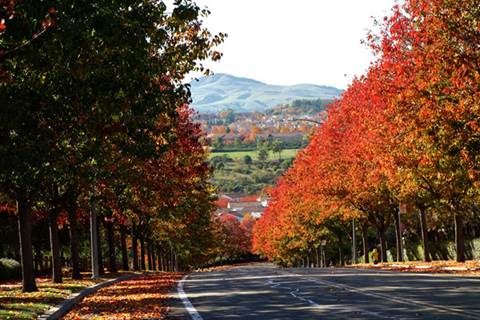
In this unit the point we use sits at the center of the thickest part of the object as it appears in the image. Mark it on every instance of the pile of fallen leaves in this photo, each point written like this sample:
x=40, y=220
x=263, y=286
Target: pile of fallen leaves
x=145, y=297
x=15, y=304
x=471, y=267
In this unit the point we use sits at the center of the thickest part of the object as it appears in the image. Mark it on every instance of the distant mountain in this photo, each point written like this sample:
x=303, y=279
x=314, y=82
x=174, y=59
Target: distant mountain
x=222, y=91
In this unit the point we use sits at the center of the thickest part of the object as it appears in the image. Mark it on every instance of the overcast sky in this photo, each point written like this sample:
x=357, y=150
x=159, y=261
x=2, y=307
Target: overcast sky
x=294, y=41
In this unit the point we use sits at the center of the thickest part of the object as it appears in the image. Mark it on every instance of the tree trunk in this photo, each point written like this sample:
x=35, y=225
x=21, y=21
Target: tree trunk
x=459, y=238
x=123, y=241
x=149, y=255
x=152, y=252
x=354, y=243
x=25, y=238
x=142, y=254
x=101, y=267
x=111, y=247
x=134, y=249
x=383, y=246
x=364, y=229
x=94, y=240
x=55, y=246
x=398, y=237
x=423, y=229
x=72, y=220
x=159, y=257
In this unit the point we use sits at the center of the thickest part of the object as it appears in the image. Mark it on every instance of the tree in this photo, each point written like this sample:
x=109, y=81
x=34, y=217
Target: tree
x=247, y=160
x=277, y=147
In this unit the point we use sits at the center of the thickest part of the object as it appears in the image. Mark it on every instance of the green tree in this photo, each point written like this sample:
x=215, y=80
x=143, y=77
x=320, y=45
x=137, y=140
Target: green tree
x=91, y=86
x=247, y=160
x=277, y=147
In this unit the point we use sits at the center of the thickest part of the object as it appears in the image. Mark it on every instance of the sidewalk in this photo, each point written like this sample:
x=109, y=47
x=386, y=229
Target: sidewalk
x=471, y=267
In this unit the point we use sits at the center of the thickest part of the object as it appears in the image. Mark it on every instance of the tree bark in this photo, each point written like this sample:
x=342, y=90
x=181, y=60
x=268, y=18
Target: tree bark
x=101, y=266
x=94, y=240
x=74, y=242
x=25, y=237
x=398, y=237
x=142, y=253
x=123, y=242
x=111, y=247
x=459, y=238
x=149, y=255
x=159, y=257
x=55, y=246
x=134, y=249
x=364, y=229
x=152, y=252
x=424, y=232
x=383, y=246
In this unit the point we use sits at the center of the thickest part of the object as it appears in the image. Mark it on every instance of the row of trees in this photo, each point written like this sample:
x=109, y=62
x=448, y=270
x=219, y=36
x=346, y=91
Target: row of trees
x=94, y=121
x=404, y=138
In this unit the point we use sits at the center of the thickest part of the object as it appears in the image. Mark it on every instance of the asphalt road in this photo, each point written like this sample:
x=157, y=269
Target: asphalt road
x=263, y=291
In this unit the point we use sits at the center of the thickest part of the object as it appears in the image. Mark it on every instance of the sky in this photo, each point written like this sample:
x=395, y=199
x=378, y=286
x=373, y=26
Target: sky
x=294, y=41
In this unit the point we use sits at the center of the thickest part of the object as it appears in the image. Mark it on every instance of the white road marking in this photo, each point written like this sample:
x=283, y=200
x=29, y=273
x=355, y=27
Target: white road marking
x=367, y=292
x=188, y=305
x=296, y=293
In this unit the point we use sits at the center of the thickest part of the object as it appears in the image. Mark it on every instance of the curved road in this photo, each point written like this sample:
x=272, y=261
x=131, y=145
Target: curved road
x=263, y=291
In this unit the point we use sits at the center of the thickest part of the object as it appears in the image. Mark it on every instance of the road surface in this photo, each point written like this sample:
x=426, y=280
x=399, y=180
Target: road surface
x=263, y=291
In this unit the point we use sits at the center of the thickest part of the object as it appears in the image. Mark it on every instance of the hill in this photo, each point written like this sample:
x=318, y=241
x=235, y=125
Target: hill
x=222, y=91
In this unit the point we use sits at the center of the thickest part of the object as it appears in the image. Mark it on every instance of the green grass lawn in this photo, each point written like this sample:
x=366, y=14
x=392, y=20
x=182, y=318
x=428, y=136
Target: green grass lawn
x=238, y=155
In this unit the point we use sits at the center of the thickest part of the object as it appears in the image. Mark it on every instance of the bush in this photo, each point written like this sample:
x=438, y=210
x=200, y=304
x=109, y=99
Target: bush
x=10, y=269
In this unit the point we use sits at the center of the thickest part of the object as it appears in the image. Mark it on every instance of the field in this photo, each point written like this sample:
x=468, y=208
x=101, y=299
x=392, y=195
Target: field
x=238, y=155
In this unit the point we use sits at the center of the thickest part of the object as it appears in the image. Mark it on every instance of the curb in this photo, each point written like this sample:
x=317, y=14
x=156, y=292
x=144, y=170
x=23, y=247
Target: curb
x=63, y=307
x=431, y=269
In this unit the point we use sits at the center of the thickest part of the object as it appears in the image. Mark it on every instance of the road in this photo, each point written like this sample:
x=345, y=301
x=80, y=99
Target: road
x=263, y=291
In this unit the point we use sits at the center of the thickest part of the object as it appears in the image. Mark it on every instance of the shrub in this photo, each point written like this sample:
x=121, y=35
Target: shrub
x=10, y=269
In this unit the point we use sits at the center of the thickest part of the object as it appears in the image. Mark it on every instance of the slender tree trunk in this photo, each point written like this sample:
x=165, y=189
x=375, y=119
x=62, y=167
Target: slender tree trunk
x=317, y=258
x=25, y=237
x=94, y=240
x=149, y=254
x=175, y=257
x=142, y=253
x=72, y=220
x=364, y=229
x=111, y=247
x=152, y=252
x=159, y=257
x=424, y=232
x=101, y=266
x=123, y=243
x=383, y=246
x=134, y=248
x=55, y=246
x=398, y=237
x=459, y=238
x=354, y=243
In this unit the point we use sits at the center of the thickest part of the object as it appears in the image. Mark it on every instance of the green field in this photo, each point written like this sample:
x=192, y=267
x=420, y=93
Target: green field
x=236, y=155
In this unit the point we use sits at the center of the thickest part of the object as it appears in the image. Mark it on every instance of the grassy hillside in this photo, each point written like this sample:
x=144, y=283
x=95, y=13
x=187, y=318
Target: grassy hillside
x=222, y=91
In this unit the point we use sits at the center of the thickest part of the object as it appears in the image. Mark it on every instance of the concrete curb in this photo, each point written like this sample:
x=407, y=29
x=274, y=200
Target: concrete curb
x=431, y=269
x=62, y=308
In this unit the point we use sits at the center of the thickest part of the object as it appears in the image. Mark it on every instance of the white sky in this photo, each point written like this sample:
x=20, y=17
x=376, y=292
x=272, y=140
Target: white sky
x=294, y=41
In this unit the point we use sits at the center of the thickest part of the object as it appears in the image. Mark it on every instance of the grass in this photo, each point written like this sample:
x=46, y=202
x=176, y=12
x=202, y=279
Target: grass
x=14, y=304
x=238, y=155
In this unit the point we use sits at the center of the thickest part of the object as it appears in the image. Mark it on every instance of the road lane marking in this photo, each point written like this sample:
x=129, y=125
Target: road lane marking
x=296, y=293
x=188, y=305
x=367, y=292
